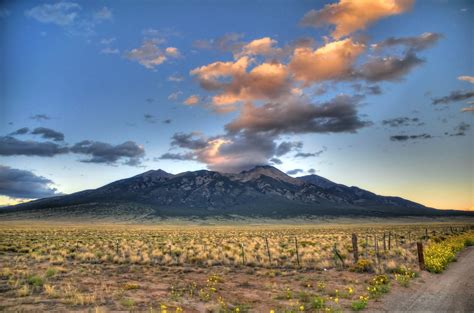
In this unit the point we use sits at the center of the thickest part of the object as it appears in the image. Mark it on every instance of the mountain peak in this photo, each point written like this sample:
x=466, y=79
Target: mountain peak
x=269, y=171
x=318, y=181
x=159, y=173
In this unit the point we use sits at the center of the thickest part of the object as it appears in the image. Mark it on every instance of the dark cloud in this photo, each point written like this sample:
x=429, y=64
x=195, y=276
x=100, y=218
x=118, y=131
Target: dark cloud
x=401, y=121
x=276, y=161
x=286, y=146
x=457, y=95
x=334, y=116
x=311, y=171
x=40, y=117
x=295, y=171
x=409, y=137
x=48, y=133
x=99, y=152
x=459, y=130
x=21, y=131
x=149, y=118
x=11, y=146
x=176, y=156
x=188, y=141
x=23, y=184
x=416, y=43
x=167, y=121
x=391, y=68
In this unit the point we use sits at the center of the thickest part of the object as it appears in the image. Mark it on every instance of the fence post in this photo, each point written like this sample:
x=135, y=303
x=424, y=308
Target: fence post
x=366, y=245
x=389, y=240
x=384, y=243
x=297, y=253
x=268, y=251
x=421, y=257
x=243, y=253
x=355, y=248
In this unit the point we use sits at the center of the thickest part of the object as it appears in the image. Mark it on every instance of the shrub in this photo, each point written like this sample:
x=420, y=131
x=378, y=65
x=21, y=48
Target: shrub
x=363, y=265
x=439, y=255
x=360, y=304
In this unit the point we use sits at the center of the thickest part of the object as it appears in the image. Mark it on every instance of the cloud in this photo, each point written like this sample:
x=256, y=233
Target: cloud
x=235, y=84
x=391, y=68
x=149, y=118
x=149, y=54
x=401, y=121
x=265, y=46
x=48, y=133
x=70, y=16
x=174, y=96
x=21, y=131
x=11, y=146
x=351, y=15
x=176, y=156
x=167, y=121
x=409, y=137
x=292, y=117
x=312, y=171
x=109, y=50
x=61, y=13
x=175, y=78
x=295, y=171
x=287, y=146
x=460, y=130
x=308, y=155
x=333, y=61
x=468, y=109
x=276, y=161
x=104, y=14
x=225, y=153
x=469, y=79
x=173, y=52
x=454, y=96
x=190, y=141
x=191, y=100
x=99, y=152
x=228, y=42
x=416, y=43
x=40, y=117
x=22, y=184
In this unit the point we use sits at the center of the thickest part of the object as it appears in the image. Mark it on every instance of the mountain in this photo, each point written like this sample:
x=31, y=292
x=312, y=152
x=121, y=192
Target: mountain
x=263, y=191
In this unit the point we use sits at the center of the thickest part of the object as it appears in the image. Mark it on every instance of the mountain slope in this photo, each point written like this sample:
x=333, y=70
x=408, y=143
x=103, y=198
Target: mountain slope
x=263, y=191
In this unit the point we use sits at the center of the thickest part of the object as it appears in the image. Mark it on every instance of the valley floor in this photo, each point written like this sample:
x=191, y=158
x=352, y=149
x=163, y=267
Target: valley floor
x=273, y=268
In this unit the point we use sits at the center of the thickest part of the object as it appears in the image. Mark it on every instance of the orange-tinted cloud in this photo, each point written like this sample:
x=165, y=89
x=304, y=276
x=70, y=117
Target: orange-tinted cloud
x=351, y=15
x=330, y=62
x=191, y=100
x=265, y=81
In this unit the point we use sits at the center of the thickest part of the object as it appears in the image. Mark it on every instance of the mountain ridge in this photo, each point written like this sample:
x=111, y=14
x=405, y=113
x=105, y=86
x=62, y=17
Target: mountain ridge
x=263, y=191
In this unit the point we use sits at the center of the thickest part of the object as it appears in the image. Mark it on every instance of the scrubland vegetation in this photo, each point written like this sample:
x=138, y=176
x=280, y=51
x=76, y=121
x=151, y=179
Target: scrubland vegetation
x=274, y=268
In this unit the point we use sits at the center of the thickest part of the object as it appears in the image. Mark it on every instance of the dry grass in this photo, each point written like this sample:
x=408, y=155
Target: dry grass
x=218, y=269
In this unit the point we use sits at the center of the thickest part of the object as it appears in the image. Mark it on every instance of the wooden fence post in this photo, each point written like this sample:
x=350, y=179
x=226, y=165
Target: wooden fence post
x=384, y=243
x=297, y=252
x=366, y=246
x=243, y=253
x=268, y=251
x=421, y=257
x=355, y=248
x=389, y=240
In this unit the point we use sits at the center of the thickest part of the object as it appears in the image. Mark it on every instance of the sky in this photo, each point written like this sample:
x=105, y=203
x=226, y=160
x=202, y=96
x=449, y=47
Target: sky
x=375, y=94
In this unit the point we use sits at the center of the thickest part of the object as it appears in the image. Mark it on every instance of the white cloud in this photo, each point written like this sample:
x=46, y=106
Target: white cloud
x=61, y=13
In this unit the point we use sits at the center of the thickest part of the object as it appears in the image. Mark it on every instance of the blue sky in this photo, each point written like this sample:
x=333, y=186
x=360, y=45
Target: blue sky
x=113, y=77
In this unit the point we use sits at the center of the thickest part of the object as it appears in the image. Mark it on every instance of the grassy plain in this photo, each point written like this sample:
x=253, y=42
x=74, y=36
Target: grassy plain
x=218, y=268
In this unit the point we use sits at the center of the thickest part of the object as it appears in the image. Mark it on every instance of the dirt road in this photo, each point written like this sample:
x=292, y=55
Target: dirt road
x=451, y=291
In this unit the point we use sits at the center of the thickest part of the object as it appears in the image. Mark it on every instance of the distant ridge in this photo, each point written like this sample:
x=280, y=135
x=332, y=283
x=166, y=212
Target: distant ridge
x=263, y=191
